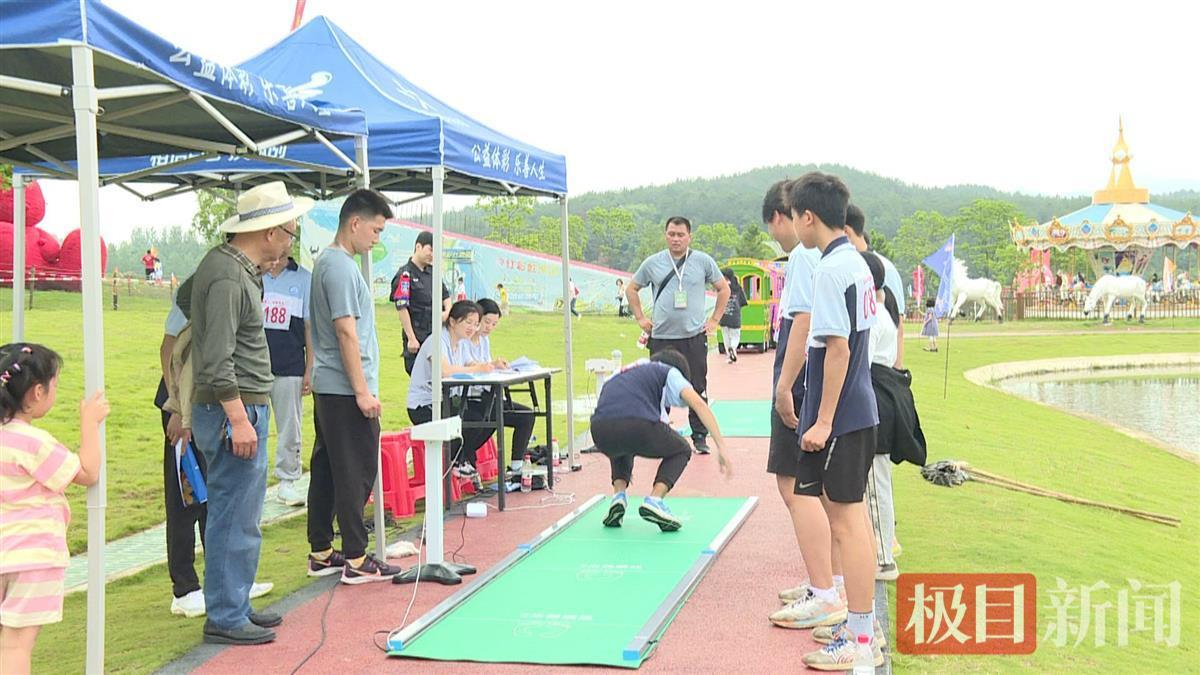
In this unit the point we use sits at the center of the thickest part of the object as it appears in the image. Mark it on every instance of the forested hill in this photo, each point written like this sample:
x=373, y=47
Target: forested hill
x=737, y=198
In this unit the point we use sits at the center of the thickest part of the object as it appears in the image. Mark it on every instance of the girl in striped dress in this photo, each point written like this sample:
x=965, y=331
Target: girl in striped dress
x=35, y=470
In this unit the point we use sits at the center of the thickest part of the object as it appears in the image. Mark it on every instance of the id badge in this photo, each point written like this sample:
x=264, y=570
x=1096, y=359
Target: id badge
x=681, y=300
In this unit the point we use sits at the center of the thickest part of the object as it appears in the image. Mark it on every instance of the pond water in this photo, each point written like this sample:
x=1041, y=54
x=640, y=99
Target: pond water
x=1162, y=402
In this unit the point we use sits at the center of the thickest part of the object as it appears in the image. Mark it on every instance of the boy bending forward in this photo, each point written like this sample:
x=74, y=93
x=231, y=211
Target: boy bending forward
x=631, y=421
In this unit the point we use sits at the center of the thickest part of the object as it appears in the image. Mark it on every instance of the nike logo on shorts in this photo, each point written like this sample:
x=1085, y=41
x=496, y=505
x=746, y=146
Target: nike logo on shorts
x=804, y=486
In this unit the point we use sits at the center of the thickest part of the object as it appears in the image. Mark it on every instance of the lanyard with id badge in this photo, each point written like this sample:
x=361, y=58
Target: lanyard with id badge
x=681, y=300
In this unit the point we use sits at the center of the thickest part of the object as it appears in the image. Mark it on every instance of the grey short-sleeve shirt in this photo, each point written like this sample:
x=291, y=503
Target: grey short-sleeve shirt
x=698, y=270
x=339, y=290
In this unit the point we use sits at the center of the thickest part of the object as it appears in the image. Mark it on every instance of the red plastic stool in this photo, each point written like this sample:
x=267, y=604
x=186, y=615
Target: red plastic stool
x=487, y=462
x=400, y=491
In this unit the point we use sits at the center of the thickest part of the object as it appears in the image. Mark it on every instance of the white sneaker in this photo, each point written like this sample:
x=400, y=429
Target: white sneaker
x=790, y=595
x=827, y=634
x=810, y=612
x=290, y=494
x=190, y=605
x=258, y=590
x=887, y=572
x=839, y=655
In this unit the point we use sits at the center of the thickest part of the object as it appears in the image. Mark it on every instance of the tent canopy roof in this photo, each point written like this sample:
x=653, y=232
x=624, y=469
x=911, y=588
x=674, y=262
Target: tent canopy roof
x=153, y=96
x=411, y=131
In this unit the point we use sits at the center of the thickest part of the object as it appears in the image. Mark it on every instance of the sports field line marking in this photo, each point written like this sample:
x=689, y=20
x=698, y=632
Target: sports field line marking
x=491, y=620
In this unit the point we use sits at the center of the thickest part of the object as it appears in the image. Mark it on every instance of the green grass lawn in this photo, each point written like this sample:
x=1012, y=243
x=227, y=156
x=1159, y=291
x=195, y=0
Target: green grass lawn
x=981, y=528
x=134, y=429
x=1119, y=325
x=973, y=528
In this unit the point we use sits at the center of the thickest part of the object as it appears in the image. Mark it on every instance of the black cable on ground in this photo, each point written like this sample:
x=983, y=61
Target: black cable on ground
x=321, y=642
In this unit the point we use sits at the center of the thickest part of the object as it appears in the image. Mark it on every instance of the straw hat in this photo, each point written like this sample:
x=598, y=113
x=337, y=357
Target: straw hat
x=266, y=206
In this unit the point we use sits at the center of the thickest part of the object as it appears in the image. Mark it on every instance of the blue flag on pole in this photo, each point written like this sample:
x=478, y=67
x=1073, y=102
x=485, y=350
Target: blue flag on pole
x=941, y=262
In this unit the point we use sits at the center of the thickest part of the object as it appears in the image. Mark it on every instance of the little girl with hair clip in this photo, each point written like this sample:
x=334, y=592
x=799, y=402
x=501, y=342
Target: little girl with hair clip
x=35, y=470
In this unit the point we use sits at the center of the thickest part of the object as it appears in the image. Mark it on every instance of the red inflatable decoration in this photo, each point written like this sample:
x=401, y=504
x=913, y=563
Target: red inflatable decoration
x=56, y=265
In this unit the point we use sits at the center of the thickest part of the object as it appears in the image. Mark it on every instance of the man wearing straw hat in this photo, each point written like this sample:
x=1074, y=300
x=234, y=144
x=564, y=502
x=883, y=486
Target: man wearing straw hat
x=231, y=391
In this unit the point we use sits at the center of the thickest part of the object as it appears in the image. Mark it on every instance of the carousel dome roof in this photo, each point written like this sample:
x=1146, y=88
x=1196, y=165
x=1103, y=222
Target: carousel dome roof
x=1121, y=216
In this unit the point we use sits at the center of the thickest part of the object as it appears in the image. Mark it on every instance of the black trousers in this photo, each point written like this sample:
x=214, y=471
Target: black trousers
x=623, y=439
x=695, y=350
x=345, y=461
x=517, y=418
x=464, y=450
x=410, y=358
x=181, y=522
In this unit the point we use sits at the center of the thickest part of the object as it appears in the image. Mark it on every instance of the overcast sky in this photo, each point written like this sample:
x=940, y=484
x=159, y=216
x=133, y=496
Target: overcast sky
x=1016, y=95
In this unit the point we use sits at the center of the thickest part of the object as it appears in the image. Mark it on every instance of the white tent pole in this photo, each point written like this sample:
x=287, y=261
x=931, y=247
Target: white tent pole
x=566, y=289
x=434, y=507
x=18, y=284
x=364, y=182
x=85, y=107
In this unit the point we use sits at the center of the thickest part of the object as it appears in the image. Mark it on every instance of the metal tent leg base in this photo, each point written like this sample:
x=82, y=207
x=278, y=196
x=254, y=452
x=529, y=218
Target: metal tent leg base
x=446, y=574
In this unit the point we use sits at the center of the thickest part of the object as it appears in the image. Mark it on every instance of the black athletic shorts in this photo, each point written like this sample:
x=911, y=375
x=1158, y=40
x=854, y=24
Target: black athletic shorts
x=784, y=453
x=840, y=469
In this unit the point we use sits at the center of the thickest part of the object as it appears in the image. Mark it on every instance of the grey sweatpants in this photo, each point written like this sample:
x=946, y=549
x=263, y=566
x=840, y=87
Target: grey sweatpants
x=881, y=507
x=288, y=405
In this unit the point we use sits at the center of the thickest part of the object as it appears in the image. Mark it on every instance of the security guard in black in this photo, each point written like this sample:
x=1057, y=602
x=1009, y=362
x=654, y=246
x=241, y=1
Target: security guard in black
x=415, y=303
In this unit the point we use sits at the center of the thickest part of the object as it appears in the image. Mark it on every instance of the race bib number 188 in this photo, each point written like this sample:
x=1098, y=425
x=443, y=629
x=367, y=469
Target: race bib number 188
x=278, y=311
x=867, y=310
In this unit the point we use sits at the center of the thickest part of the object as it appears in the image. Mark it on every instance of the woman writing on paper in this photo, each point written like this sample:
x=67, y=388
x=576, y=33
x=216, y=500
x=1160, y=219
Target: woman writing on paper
x=461, y=325
x=480, y=399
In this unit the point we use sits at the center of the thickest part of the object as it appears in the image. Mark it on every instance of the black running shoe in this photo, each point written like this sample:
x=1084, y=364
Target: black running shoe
x=370, y=570
x=329, y=566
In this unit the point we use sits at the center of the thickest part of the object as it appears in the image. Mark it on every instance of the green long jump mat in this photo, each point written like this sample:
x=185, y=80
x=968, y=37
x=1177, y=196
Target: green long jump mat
x=581, y=593
x=741, y=419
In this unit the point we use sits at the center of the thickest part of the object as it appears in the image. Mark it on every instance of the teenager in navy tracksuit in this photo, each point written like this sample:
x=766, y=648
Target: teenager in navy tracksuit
x=631, y=421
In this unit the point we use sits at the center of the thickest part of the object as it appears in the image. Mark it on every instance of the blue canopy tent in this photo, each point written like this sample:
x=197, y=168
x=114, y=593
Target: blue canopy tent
x=418, y=145
x=411, y=131
x=79, y=81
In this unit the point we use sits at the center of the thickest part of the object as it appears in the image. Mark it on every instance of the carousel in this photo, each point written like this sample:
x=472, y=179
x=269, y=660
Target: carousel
x=1120, y=230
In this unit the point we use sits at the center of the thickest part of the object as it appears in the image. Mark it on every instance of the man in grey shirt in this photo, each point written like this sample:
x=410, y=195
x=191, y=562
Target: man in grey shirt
x=346, y=408
x=678, y=278
x=231, y=387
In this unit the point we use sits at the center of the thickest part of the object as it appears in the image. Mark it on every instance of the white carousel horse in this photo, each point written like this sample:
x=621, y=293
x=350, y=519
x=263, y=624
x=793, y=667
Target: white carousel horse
x=1110, y=288
x=983, y=291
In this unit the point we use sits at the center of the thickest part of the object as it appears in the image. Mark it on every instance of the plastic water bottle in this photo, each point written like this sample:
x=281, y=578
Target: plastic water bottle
x=864, y=660
x=554, y=451
x=643, y=340
x=527, y=474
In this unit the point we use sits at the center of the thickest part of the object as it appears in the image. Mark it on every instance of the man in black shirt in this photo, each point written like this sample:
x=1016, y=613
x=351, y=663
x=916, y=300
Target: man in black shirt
x=412, y=292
